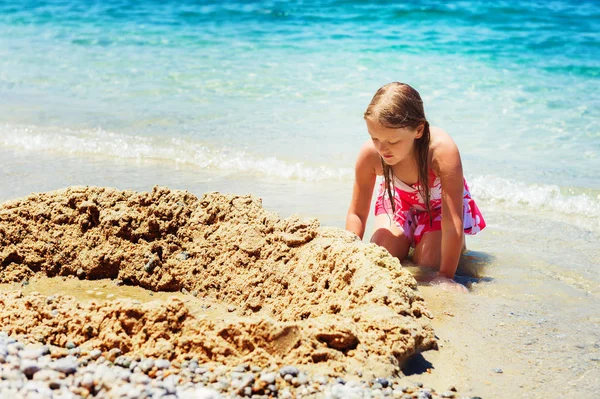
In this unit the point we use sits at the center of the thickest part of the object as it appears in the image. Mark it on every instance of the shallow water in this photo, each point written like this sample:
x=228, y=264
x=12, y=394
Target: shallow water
x=107, y=290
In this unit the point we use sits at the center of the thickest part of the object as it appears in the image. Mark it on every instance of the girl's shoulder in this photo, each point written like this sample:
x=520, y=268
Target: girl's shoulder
x=439, y=137
x=368, y=158
x=443, y=151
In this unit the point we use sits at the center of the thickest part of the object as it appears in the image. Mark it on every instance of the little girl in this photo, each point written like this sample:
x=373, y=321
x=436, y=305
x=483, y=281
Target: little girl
x=422, y=172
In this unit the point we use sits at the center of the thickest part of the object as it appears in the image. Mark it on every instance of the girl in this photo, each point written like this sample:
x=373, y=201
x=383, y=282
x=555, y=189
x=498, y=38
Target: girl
x=423, y=199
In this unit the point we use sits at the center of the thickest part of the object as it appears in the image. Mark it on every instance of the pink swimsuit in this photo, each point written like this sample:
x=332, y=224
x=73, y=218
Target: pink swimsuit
x=411, y=213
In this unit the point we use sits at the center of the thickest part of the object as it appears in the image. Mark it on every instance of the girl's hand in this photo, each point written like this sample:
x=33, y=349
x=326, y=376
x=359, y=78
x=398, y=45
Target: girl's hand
x=447, y=284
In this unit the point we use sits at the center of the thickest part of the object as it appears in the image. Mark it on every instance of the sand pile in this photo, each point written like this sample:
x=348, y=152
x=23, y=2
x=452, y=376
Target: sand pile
x=302, y=294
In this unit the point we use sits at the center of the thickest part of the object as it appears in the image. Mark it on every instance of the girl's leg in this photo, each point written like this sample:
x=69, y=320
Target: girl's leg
x=428, y=251
x=389, y=236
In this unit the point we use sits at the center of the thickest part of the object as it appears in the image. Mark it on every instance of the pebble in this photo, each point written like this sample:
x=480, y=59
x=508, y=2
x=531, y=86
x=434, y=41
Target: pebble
x=32, y=353
x=95, y=354
x=112, y=354
x=193, y=365
x=46, y=375
x=424, y=395
x=498, y=370
x=123, y=361
x=289, y=370
x=140, y=379
x=67, y=365
x=269, y=378
x=241, y=368
x=12, y=350
x=302, y=379
x=256, y=369
x=203, y=393
x=146, y=365
x=162, y=364
x=150, y=265
x=29, y=368
x=51, y=373
x=321, y=379
x=75, y=352
x=87, y=381
x=383, y=382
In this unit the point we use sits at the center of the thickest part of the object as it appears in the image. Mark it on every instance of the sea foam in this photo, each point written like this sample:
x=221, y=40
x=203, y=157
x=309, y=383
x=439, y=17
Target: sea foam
x=137, y=148
x=487, y=189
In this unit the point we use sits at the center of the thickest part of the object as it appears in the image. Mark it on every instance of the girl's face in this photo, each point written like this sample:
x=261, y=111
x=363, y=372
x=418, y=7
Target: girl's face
x=393, y=144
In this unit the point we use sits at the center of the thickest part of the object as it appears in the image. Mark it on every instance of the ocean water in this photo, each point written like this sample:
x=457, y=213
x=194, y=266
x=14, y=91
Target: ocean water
x=266, y=97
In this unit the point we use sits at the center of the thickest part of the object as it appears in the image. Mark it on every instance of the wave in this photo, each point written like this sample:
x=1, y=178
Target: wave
x=491, y=190
x=98, y=142
x=538, y=197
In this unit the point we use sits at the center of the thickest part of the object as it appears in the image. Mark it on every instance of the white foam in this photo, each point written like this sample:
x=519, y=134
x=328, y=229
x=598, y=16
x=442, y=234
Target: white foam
x=545, y=198
x=506, y=193
x=98, y=142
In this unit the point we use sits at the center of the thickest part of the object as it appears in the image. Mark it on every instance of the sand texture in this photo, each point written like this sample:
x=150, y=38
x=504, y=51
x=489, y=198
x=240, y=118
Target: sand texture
x=286, y=291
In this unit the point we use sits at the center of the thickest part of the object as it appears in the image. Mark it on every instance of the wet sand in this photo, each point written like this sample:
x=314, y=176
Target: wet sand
x=495, y=345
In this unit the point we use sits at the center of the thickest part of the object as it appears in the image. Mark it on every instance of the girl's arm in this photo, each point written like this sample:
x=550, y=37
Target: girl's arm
x=449, y=165
x=364, y=180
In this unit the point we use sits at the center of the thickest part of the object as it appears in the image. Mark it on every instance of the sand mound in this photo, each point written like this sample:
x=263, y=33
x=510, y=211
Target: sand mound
x=304, y=294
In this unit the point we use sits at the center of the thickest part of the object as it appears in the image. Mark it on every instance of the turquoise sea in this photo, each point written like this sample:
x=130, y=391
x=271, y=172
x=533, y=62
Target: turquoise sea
x=267, y=97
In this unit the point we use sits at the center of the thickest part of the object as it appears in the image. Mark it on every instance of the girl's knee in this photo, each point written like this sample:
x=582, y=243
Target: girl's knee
x=397, y=246
x=429, y=250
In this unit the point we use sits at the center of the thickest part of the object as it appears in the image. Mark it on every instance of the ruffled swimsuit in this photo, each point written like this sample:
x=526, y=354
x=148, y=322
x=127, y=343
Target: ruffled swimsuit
x=411, y=214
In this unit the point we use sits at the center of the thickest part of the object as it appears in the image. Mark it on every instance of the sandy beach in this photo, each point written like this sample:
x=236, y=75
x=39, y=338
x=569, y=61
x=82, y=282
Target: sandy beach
x=219, y=282
x=280, y=291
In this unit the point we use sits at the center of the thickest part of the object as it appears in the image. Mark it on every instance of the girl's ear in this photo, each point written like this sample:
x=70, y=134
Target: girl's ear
x=420, y=130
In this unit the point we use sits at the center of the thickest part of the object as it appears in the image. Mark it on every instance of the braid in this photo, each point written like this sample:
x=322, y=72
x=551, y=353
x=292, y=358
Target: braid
x=422, y=154
x=389, y=182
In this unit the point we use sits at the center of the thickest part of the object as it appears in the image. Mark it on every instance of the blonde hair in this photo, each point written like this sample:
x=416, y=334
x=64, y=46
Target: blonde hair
x=397, y=105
